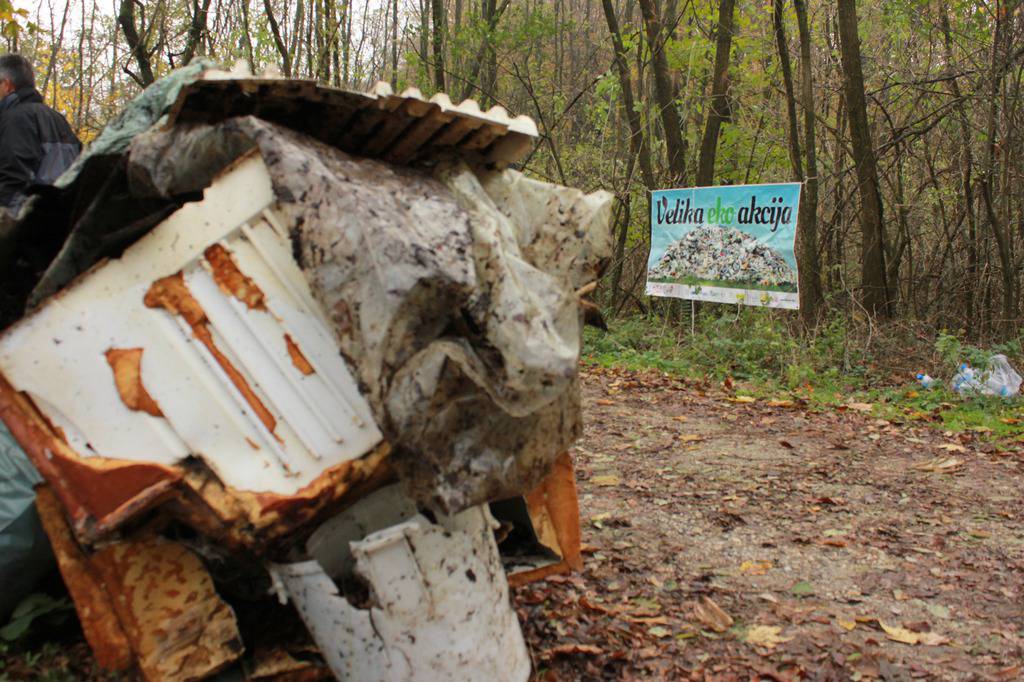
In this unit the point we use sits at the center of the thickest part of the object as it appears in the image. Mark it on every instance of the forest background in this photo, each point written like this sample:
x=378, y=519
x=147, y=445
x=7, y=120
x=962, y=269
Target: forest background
x=904, y=119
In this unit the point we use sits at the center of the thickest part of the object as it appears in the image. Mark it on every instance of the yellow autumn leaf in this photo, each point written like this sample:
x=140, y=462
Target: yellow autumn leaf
x=691, y=438
x=767, y=636
x=743, y=399
x=755, y=567
x=846, y=624
x=898, y=634
x=905, y=636
x=606, y=480
x=860, y=407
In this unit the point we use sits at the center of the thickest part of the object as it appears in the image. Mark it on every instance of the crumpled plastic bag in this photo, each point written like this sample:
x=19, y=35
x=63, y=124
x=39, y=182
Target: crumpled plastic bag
x=999, y=379
x=452, y=296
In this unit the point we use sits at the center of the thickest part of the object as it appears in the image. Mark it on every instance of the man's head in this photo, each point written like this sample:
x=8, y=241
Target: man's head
x=15, y=73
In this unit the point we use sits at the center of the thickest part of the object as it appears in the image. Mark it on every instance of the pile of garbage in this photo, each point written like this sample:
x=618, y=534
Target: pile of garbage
x=998, y=379
x=309, y=343
x=718, y=253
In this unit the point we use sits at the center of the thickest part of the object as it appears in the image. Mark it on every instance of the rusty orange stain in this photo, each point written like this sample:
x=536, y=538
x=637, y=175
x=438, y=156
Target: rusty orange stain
x=172, y=294
x=126, y=364
x=178, y=626
x=298, y=359
x=231, y=280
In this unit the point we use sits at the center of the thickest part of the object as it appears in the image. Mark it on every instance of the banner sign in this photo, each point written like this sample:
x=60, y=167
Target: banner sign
x=729, y=244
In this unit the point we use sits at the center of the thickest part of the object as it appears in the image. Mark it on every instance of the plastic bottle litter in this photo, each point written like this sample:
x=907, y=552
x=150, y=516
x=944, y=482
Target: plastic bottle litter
x=999, y=379
x=964, y=381
x=925, y=380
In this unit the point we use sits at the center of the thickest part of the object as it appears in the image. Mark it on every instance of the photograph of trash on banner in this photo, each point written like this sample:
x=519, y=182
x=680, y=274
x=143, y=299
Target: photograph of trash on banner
x=729, y=244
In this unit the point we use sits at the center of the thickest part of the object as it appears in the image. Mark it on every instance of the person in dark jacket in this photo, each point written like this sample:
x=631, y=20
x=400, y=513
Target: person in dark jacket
x=36, y=142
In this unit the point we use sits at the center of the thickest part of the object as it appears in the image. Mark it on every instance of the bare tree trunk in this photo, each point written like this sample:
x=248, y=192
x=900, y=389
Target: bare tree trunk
x=873, y=273
x=438, y=26
x=637, y=142
x=394, y=44
x=811, y=296
x=126, y=19
x=275, y=30
x=57, y=44
x=781, y=44
x=967, y=172
x=250, y=54
x=1000, y=63
x=719, y=98
x=663, y=89
x=486, y=54
x=197, y=28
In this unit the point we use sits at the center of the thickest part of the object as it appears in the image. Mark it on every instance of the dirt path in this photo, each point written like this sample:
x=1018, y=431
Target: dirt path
x=808, y=531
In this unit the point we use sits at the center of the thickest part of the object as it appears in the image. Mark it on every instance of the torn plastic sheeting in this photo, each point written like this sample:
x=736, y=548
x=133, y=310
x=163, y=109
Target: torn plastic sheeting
x=439, y=605
x=451, y=296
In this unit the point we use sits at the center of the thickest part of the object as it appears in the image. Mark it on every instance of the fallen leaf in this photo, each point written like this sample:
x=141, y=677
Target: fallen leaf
x=594, y=606
x=1011, y=673
x=767, y=636
x=943, y=465
x=605, y=402
x=571, y=648
x=755, y=567
x=652, y=620
x=681, y=418
x=906, y=636
x=711, y=614
x=786, y=444
x=847, y=624
x=743, y=399
x=952, y=447
x=690, y=438
x=606, y=480
x=659, y=632
x=898, y=634
x=860, y=407
x=780, y=403
x=802, y=589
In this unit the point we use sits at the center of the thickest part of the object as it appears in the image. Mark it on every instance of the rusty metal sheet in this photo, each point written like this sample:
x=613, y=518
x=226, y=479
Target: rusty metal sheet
x=554, y=510
x=99, y=621
x=178, y=626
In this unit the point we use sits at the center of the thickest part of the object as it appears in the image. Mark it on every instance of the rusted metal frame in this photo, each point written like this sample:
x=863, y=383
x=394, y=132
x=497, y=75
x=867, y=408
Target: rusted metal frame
x=554, y=504
x=97, y=506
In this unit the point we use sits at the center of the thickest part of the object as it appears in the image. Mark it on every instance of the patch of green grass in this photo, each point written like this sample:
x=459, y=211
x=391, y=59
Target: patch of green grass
x=837, y=365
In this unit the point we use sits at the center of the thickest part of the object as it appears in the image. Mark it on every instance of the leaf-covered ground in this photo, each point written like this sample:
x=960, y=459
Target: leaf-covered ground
x=728, y=538
x=736, y=540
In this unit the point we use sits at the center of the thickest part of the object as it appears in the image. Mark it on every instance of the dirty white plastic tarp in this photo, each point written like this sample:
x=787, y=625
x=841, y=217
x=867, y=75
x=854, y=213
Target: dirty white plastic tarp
x=451, y=296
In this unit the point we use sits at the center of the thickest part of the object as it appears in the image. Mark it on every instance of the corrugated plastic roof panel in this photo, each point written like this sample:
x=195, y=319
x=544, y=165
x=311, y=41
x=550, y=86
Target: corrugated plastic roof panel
x=404, y=128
